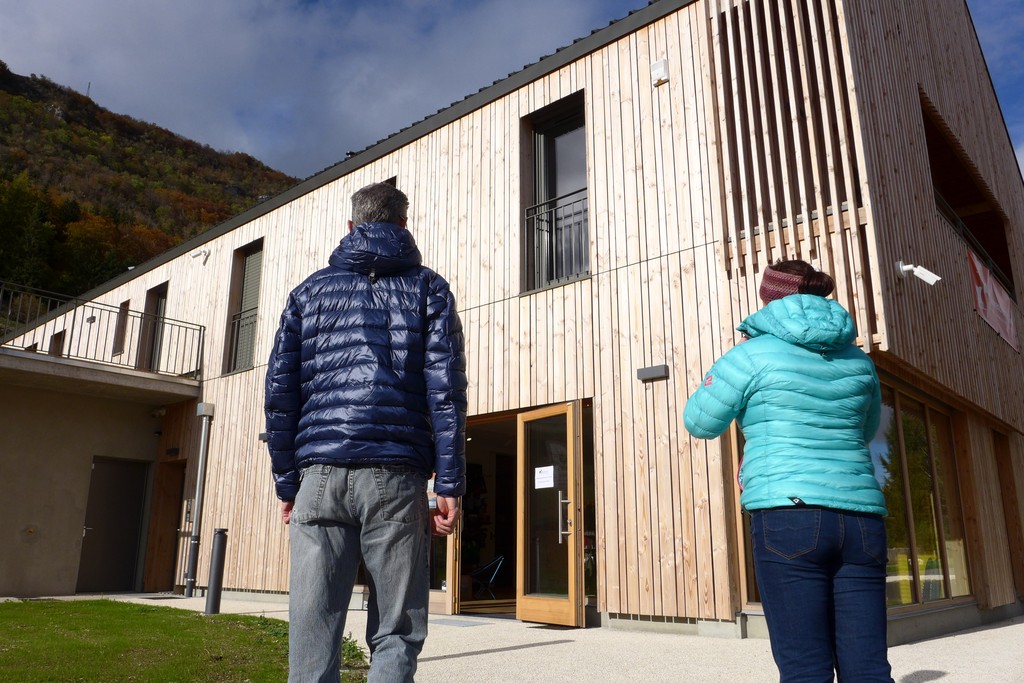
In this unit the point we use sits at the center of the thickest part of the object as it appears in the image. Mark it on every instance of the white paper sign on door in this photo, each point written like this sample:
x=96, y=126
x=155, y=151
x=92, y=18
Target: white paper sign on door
x=544, y=477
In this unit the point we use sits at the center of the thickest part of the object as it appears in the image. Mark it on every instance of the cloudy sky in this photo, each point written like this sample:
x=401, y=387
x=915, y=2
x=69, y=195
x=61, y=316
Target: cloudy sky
x=298, y=83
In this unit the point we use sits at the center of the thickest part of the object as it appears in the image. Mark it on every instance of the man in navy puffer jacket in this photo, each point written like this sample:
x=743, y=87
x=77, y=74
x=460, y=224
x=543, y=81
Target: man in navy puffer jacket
x=365, y=400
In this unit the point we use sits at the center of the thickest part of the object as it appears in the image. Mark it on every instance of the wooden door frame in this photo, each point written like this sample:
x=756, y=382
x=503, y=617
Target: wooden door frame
x=554, y=610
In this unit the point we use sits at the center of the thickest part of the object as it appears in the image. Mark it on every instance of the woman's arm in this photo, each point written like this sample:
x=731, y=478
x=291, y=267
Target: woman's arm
x=721, y=396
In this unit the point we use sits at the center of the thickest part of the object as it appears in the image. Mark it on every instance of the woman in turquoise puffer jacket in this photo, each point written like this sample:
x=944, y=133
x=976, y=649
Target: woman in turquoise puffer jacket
x=808, y=402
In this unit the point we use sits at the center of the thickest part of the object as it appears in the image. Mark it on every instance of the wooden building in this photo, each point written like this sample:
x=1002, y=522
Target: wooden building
x=603, y=217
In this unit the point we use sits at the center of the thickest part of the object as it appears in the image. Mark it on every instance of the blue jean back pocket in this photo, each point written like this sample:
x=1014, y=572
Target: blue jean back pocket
x=792, y=532
x=873, y=538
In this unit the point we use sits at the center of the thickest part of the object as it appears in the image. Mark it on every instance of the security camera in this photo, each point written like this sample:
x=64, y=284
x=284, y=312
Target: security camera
x=919, y=272
x=928, y=276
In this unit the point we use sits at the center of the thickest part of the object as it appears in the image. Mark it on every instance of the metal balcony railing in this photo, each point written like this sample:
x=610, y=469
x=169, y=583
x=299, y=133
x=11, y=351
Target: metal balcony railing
x=243, y=340
x=947, y=212
x=559, y=242
x=45, y=322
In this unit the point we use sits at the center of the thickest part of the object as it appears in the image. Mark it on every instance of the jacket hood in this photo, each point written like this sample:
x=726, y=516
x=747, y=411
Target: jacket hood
x=377, y=249
x=806, y=320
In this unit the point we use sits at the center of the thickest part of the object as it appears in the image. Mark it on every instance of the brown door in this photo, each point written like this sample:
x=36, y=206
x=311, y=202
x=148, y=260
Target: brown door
x=549, y=586
x=164, y=526
x=113, y=526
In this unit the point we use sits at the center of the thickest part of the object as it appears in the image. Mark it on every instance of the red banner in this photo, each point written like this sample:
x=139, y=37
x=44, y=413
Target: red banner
x=993, y=303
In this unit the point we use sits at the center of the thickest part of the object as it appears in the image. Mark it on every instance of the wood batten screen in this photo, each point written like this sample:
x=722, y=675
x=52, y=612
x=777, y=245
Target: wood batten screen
x=929, y=53
x=792, y=182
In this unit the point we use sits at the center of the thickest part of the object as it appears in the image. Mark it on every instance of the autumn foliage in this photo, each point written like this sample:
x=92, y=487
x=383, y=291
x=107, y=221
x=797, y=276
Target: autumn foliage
x=86, y=193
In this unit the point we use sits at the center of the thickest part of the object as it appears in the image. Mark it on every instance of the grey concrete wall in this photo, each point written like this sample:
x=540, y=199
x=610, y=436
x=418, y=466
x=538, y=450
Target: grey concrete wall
x=47, y=443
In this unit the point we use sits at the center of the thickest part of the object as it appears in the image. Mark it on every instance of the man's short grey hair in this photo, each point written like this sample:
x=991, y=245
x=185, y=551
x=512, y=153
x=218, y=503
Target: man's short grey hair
x=379, y=203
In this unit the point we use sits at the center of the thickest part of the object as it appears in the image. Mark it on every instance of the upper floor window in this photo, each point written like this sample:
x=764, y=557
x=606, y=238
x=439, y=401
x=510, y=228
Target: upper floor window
x=57, y=344
x=964, y=200
x=557, y=244
x=121, y=327
x=151, y=329
x=243, y=306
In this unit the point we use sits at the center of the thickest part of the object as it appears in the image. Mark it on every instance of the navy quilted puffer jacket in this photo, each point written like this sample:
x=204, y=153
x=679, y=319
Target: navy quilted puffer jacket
x=368, y=366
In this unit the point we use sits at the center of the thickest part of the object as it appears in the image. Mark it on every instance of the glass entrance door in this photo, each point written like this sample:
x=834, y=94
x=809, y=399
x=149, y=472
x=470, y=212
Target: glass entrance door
x=549, y=586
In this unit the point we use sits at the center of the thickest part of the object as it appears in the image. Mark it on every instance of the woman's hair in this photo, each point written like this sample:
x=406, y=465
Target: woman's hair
x=794, y=277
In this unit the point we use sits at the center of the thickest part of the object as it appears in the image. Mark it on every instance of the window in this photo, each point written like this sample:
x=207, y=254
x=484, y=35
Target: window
x=914, y=460
x=151, y=332
x=915, y=464
x=120, y=328
x=56, y=347
x=245, y=299
x=557, y=245
x=965, y=201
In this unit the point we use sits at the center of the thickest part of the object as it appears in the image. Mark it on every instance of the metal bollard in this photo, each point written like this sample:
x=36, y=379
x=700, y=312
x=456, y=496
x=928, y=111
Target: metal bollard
x=217, y=551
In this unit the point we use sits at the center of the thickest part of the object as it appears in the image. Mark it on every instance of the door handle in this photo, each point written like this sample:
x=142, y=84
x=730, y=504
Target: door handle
x=84, y=529
x=561, y=517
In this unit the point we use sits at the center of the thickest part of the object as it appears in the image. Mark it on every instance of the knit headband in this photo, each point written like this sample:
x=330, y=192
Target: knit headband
x=776, y=284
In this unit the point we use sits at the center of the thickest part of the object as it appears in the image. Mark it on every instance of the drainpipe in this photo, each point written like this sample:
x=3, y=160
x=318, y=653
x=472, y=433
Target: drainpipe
x=205, y=413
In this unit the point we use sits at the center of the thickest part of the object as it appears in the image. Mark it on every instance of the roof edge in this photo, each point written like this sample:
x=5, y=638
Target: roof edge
x=599, y=38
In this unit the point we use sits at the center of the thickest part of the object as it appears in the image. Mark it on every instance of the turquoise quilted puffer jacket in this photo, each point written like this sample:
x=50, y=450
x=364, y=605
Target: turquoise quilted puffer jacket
x=808, y=402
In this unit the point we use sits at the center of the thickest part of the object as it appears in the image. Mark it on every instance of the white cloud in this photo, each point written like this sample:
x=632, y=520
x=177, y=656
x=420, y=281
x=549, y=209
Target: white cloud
x=295, y=83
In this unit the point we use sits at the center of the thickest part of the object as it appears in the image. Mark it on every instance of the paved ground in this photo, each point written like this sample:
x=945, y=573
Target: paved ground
x=483, y=649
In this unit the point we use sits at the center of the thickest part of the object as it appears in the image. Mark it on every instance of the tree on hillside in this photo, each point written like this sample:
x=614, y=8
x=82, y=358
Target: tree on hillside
x=26, y=236
x=85, y=192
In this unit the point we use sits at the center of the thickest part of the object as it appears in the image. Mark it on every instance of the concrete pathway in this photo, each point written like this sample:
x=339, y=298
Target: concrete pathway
x=494, y=649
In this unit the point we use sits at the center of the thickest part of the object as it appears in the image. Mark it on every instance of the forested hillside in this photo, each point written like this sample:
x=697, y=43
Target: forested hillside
x=86, y=193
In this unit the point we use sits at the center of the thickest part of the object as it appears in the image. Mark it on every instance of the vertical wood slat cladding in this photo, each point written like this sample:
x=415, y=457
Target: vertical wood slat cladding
x=788, y=153
x=1009, y=454
x=928, y=51
x=992, y=575
x=178, y=433
x=768, y=141
x=653, y=284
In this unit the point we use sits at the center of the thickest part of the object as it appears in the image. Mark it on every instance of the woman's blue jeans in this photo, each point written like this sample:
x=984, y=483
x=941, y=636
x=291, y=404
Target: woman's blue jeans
x=341, y=515
x=821, y=573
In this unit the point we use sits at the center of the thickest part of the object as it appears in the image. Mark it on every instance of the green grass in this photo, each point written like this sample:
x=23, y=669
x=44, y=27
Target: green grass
x=104, y=640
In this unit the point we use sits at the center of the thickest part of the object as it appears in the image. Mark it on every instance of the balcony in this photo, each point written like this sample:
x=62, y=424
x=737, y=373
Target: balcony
x=558, y=243
x=243, y=339
x=48, y=323
x=952, y=217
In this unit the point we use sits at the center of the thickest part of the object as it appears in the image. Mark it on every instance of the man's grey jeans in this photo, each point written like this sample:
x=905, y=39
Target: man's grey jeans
x=340, y=515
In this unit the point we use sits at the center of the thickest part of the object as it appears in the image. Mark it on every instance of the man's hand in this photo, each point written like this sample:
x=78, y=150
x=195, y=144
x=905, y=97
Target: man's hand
x=286, y=510
x=444, y=518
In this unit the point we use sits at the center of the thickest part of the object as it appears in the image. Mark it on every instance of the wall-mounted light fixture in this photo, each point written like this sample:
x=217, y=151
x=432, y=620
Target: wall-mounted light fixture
x=659, y=73
x=652, y=374
x=205, y=253
x=919, y=272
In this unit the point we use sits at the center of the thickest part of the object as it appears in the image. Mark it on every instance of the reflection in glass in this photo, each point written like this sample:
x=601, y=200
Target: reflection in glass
x=885, y=450
x=922, y=499
x=589, y=510
x=949, y=502
x=547, y=567
x=438, y=562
